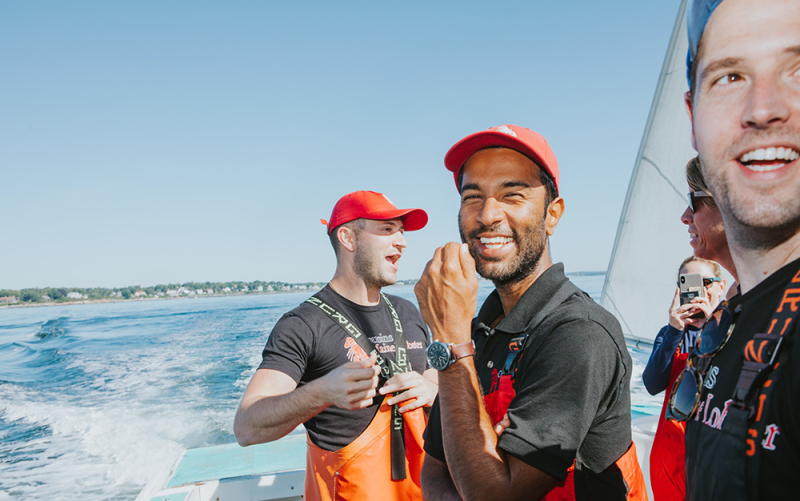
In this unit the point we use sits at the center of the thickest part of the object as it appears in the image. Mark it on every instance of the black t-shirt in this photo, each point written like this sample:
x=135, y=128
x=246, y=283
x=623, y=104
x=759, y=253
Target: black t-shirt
x=778, y=446
x=572, y=384
x=306, y=344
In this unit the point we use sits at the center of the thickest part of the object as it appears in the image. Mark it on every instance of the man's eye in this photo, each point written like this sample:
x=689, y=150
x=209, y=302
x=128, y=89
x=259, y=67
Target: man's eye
x=728, y=79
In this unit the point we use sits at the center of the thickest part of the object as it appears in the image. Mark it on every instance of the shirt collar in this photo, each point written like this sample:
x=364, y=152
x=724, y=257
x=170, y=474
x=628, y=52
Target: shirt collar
x=534, y=299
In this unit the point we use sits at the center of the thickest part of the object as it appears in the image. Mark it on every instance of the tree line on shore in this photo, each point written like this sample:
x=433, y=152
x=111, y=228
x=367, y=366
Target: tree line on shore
x=66, y=294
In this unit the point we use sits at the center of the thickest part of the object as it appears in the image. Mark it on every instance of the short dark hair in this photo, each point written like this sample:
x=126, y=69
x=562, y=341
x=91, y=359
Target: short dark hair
x=544, y=177
x=356, y=225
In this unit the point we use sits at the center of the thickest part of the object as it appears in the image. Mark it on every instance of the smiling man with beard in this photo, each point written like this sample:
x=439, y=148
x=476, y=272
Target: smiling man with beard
x=739, y=394
x=540, y=356
x=329, y=363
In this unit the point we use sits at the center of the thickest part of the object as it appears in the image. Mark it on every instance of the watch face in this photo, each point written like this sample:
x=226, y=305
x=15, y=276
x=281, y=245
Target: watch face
x=438, y=355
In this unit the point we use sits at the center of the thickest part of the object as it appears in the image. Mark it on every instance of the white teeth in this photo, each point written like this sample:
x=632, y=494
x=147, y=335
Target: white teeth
x=771, y=153
x=765, y=168
x=495, y=242
x=692, y=235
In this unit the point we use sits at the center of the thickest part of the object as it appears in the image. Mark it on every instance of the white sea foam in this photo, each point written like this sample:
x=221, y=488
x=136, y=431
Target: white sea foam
x=93, y=445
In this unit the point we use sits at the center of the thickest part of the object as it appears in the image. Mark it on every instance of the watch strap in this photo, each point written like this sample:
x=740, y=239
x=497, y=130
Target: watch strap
x=462, y=350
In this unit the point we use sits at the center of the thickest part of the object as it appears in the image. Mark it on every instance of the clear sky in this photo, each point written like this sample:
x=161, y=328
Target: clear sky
x=151, y=142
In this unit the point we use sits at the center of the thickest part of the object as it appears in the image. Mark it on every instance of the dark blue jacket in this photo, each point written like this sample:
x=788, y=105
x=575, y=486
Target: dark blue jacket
x=656, y=374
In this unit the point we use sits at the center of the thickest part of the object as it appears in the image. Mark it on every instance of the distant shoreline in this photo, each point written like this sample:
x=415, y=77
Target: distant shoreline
x=21, y=304
x=159, y=298
x=132, y=300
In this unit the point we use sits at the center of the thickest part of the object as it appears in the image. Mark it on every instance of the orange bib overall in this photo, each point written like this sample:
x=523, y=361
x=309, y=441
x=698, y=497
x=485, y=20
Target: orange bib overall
x=497, y=403
x=668, y=455
x=362, y=470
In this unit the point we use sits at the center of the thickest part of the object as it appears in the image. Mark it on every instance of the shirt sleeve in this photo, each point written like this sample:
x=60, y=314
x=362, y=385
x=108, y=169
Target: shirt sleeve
x=573, y=377
x=289, y=347
x=656, y=373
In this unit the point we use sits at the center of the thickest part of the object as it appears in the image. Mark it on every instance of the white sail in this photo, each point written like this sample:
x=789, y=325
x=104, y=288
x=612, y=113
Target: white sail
x=651, y=242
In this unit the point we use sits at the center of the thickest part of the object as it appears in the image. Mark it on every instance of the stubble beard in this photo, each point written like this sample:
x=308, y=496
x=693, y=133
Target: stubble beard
x=758, y=223
x=368, y=267
x=531, y=242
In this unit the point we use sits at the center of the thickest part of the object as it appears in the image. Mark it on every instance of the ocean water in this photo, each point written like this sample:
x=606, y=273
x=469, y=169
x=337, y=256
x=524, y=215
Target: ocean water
x=96, y=400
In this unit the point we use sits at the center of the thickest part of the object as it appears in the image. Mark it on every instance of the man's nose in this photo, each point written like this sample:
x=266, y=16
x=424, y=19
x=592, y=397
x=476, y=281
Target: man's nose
x=490, y=212
x=400, y=241
x=766, y=103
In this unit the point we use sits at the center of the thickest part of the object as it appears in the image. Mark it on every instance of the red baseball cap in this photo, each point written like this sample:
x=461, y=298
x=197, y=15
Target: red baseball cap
x=517, y=138
x=372, y=205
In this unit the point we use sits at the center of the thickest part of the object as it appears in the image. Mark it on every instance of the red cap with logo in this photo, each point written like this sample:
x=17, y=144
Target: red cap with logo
x=517, y=138
x=372, y=205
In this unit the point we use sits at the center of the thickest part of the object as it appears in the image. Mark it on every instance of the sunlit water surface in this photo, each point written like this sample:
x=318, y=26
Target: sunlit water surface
x=96, y=400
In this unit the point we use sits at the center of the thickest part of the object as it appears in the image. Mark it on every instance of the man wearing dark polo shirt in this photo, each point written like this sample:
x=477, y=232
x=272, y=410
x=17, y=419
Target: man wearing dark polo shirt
x=544, y=353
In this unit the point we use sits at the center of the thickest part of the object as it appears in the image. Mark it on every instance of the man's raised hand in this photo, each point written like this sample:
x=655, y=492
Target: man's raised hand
x=447, y=293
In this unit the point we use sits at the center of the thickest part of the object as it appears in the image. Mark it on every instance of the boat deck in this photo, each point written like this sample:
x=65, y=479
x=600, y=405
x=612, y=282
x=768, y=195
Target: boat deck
x=276, y=471
x=232, y=460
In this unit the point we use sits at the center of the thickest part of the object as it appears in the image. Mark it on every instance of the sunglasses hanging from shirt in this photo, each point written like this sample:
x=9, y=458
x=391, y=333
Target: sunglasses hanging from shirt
x=388, y=369
x=760, y=353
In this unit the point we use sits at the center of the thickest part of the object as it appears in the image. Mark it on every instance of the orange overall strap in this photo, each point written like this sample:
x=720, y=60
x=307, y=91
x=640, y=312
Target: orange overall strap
x=362, y=469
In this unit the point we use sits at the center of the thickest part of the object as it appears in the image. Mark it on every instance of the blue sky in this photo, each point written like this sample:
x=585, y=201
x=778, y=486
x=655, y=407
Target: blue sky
x=154, y=142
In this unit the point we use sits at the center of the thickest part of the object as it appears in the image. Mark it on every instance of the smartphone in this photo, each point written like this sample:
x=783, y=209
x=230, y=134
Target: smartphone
x=691, y=286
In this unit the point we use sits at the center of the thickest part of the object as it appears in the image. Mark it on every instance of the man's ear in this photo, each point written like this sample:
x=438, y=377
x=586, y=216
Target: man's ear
x=687, y=99
x=554, y=212
x=347, y=238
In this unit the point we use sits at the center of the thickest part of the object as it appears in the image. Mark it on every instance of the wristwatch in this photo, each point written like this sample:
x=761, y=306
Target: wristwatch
x=443, y=355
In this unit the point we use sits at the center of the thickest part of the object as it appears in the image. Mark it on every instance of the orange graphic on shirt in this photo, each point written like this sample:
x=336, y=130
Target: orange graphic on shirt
x=354, y=352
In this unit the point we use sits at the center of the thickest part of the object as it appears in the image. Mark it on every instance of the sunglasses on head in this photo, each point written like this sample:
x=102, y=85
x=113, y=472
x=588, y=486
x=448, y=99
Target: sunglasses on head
x=694, y=197
x=685, y=396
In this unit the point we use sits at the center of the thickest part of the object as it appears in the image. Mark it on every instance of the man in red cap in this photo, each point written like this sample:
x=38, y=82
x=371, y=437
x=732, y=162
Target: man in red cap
x=543, y=361
x=349, y=363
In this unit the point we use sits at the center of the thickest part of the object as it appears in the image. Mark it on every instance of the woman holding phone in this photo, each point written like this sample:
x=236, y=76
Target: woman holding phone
x=670, y=350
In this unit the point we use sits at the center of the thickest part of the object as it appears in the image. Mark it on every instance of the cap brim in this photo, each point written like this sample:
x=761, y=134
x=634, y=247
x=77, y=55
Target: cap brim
x=413, y=219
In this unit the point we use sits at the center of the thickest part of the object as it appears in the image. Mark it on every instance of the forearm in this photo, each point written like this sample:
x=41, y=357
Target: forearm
x=261, y=419
x=436, y=482
x=656, y=374
x=478, y=468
